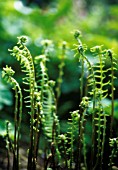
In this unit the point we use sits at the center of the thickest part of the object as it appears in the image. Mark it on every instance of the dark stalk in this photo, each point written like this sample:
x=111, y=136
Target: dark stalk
x=8, y=145
x=15, y=161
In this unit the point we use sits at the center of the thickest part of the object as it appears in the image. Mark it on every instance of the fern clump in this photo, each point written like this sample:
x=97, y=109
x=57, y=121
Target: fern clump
x=98, y=91
x=67, y=150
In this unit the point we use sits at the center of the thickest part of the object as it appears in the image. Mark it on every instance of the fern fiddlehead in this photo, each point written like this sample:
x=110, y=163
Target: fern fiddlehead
x=96, y=81
x=91, y=83
x=81, y=50
x=63, y=147
x=7, y=75
x=23, y=55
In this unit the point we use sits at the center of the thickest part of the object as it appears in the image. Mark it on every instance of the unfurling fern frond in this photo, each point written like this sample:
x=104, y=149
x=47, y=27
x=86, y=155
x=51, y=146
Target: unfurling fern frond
x=91, y=81
x=99, y=84
x=73, y=132
x=112, y=69
x=62, y=140
x=100, y=71
x=100, y=126
x=46, y=97
x=101, y=92
x=81, y=49
x=7, y=74
x=81, y=141
x=23, y=55
x=61, y=72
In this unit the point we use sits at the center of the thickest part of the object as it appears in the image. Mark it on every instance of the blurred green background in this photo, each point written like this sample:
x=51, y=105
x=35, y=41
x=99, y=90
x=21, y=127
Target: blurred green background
x=55, y=20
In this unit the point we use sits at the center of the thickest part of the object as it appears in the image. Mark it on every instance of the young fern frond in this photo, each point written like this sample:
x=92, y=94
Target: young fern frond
x=49, y=119
x=72, y=132
x=91, y=83
x=62, y=139
x=46, y=97
x=114, y=150
x=81, y=50
x=23, y=55
x=83, y=109
x=110, y=54
x=100, y=123
x=96, y=80
x=47, y=113
x=37, y=125
x=8, y=145
x=61, y=67
x=99, y=70
x=101, y=93
x=7, y=74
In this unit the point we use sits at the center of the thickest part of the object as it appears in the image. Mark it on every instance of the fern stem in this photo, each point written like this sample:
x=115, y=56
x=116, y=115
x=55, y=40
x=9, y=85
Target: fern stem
x=82, y=79
x=72, y=130
x=31, y=74
x=36, y=135
x=7, y=74
x=94, y=104
x=19, y=123
x=31, y=155
x=83, y=139
x=112, y=95
x=103, y=137
x=61, y=67
x=8, y=145
x=15, y=130
x=98, y=142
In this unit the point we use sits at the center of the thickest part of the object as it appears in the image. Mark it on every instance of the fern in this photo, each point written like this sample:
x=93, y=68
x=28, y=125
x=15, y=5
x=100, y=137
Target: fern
x=7, y=74
x=114, y=150
x=96, y=80
x=81, y=49
x=23, y=55
x=110, y=54
x=62, y=139
x=72, y=132
x=60, y=148
x=46, y=97
x=61, y=67
x=49, y=119
x=83, y=109
x=8, y=143
x=101, y=93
